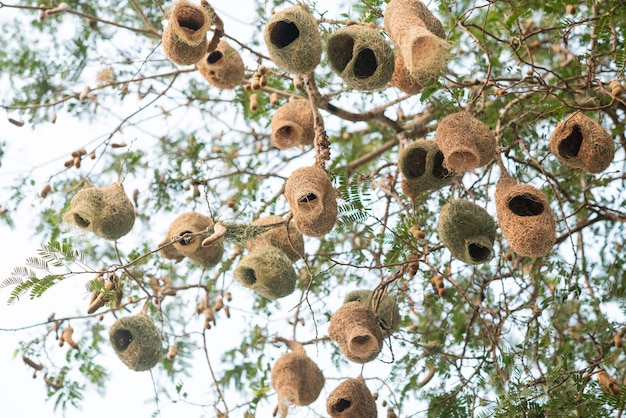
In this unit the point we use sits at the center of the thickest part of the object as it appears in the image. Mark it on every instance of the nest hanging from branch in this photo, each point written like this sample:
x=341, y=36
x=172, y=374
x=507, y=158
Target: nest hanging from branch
x=136, y=341
x=222, y=68
x=355, y=328
x=422, y=168
x=292, y=124
x=387, y=311
x=184, y=37
x=267, y=271
x=351, y=399
x=284, y=237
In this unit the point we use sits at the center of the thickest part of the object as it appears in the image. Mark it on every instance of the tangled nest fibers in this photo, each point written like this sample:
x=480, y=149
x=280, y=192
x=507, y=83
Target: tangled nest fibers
x=222, y=68
x=351, y=399
x=192, y=223
x=361, y=56
x=313, y=201
x=292, y=124
x=581, y=142
x=419, y=36
x=525, y=218
x=388, y=311
x=467, y=230
x=421, y=165
x=184, y=37
x=106, y=212
x=285, y=237
x=293, y=40
x=136, y=341
x=267, y=271
x=466, y=142
x=355, y=328
x=296, y=378
x=402, y=78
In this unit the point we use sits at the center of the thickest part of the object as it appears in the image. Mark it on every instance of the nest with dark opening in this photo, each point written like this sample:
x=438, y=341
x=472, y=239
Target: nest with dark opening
x=268, y=271
x=292, y=124
x=284, y=237
x=355, y=328
x=422, y=168
x=222, y=68
x=387, y=311
x=351, y=399
x=136, y=341
x=184, y=37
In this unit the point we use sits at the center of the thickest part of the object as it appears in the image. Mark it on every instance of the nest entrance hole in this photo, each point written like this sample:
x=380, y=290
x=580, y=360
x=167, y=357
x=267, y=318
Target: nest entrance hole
x=570, y=146
x=307, y=198
x=439, y=171
x=478, y=252
x=80, y=221
x=191, y=18
x=187, y=238
x=122, y=339
x=287, y=134
x=525, y=205
x=417, y=163
x=249, y=276
x=214, y=57
x=340, y=52
x=361, y=340
x=284, y=33
x=365, y=64
x=341, y=405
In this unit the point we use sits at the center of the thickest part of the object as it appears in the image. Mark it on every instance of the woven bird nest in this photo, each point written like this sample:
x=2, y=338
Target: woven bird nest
x=293, y=40
x=292, y=124
x=525, y=218
x=361, y=56
x=194, y=227
x=184, y=37
x=106, y=212
x=136, y=341
x=466, y=142
x=388, y=311
x=267, y=271
x=313, y=201
x=421, y=165
x=222, y=68
x=402, y=78
x=355, y=328
x=581, y=142
x=467, y=230
x=351, y=399
x=419, y=36
x=285, y=237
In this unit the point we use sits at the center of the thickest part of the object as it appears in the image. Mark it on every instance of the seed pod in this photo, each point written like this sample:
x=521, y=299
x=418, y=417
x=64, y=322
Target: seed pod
x=31, y=363
x=67, y=337
x=18, y=123
x=254, y=102
x=172, y=352
x=118, y=144
x=45, y=190
x=83, y=95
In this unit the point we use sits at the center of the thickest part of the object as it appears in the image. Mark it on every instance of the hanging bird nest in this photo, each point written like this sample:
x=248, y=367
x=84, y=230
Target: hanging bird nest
x=388, y=311
x=284, y=237
x=355, y=328
x=222, y=68
x=194, y=227
x=136, y=341
x=581, y=142
x=292, y=124
x=313, y=201
x=402, y=78
x=267, y=271
x=293, y=40
x=361, y=56
x=351, y=399
x=419, y=36
x=296, y=378
x=525, y=218
x=184, y=37
x=421, y=165
x=467, y=230
x=466, y=142
x=106, y=212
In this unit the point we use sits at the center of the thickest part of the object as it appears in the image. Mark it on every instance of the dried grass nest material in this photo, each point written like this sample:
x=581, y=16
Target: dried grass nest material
x=195, y=228
x=422, y=168
x=525, y=218
x=268, y=271
x=581, y=142
x=388, y=311
x=136, y=341
x=313, y=201
x=293, y=40
x=107, y=212
x=184, y=37
x=402, y=78
x=292, y=124
x=354, y=326
x=285, y=237
x=466, y=142
x=361, y=56
x=467, y=230
x=222, y=68
x=351, y=399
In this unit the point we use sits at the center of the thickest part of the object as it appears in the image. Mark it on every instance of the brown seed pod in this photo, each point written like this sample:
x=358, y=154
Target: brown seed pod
x=184, y=37
x=83, y=94
x=45, y=190
x=292, y=124
x=66, y=335
x=172, y=351
x=19, y=123
x=254, y=102
x=31, y=363
x=355, y=328
x=223, y=67
x=351, y=399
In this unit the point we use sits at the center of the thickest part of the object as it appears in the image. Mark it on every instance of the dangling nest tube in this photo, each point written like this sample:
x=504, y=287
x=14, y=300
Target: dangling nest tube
x=184, y=37
x=466, y=142
x=292, y=124
x=296, y=378
x=136, y=341
x=285, y=237
x=312, y=200
x=267, y=271
x=388, y=311
x=419, y=36
x=351, y=399
x=402, y=78
x=525, y=218
x=222, y=68
x=581, y=142
x=355, y=328
x=467, y=230
x=361, y=56
x=293, y=40
x=421, y=165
